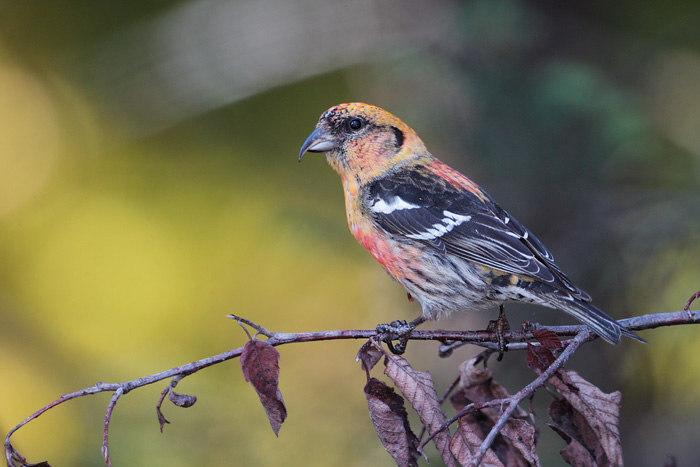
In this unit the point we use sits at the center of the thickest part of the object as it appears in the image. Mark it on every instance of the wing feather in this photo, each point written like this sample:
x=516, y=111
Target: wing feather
x=464, y=224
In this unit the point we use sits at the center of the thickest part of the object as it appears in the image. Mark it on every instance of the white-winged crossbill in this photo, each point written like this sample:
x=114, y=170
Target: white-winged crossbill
x=434, y=230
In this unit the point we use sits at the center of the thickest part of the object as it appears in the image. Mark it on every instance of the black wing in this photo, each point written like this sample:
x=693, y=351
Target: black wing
x=469, y=225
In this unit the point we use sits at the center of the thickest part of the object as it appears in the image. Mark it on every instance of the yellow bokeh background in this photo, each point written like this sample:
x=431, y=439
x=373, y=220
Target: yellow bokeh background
x=149, y=186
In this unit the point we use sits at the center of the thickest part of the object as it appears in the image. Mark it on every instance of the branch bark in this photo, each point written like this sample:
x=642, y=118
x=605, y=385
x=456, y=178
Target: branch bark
x=482, y=338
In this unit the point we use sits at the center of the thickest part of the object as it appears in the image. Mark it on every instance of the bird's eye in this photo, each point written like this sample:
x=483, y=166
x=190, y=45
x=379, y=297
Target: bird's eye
x=355, y=124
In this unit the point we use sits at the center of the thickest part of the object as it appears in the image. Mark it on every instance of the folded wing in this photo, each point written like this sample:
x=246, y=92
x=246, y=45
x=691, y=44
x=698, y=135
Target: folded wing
x=469, y=225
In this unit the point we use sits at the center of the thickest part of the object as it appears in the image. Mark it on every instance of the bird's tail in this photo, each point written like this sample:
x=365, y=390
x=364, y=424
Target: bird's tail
x=599, y=322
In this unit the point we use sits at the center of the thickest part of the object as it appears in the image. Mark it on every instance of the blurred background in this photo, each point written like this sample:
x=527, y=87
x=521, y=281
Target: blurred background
x=149, y=186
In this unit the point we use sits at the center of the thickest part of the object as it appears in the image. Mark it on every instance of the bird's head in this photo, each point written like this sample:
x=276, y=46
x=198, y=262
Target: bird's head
x=364, y=141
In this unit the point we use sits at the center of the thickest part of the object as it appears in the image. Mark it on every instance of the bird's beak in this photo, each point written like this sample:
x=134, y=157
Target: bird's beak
x=320, y=140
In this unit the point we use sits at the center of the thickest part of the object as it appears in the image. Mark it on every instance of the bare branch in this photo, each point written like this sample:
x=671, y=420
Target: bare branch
x=482, y=338
x=108, y=416
x=690, y=301
x=162, y=421
x=253, y=325
x=12, y=455
x=527, y=391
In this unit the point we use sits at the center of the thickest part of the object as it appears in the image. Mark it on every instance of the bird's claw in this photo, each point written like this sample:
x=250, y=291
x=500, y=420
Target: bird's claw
x=398, y=330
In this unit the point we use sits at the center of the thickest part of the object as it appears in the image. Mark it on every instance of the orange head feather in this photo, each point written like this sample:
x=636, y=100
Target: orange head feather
x=364, y=141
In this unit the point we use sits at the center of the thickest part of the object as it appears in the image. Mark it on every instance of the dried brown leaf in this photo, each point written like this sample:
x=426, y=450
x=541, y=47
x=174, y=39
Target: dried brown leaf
x=547, y=338
x=479, y=383
x=388, y=414
x=182, y=400
x=465, y=443
x=523, y=437
x=518, y=438
x=561, y=413
x=368, y=356
x=260, y=365
x=588, y=416
x=417, y=387
x=576, y=455
x=539, y=358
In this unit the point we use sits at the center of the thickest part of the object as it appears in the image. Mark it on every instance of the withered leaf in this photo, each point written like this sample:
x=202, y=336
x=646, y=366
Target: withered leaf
x=523, y=436
x=518, y=438
x=574, y=453
x=417, y=387
x=182, y=400
x=588, y=416
x=368, y=355
x=538, y=358
x=466, y=442
x=260, y=365
x=388, y=414
x=547, y=338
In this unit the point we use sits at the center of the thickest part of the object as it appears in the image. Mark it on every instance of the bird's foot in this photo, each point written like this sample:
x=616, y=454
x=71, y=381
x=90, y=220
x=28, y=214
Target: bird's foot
x=500, y=326
x=399, y=331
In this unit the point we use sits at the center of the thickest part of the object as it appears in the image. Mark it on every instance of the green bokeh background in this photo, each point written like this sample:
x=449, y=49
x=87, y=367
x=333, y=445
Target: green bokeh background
x=149, y=187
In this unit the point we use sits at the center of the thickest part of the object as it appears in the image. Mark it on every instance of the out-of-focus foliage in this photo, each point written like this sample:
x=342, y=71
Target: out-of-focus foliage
x=149, y=187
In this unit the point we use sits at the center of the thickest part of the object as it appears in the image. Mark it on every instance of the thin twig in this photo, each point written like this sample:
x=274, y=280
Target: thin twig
x=253, y=325
x=108, y=416
x=692, y=298
x=469, y=408
x=482, y=338
x=11, y=454
x=526, y=392
x=161, y=418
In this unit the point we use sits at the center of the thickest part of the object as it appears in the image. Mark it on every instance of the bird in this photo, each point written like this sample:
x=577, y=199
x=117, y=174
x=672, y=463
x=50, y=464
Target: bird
x=434, y=230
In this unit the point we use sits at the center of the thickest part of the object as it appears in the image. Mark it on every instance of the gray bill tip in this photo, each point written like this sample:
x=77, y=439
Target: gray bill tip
x=318, y=141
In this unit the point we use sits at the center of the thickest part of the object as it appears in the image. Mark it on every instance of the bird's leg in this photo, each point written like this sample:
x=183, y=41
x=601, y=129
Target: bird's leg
x=398, y=330
x=500, y=326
